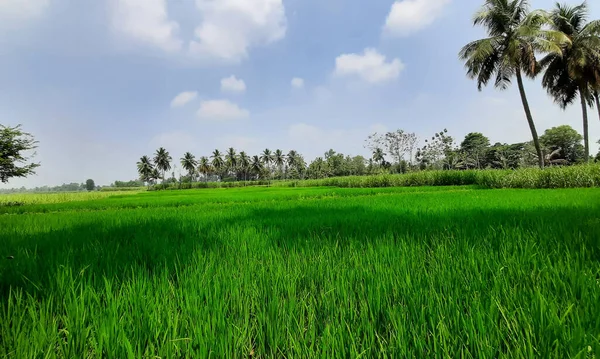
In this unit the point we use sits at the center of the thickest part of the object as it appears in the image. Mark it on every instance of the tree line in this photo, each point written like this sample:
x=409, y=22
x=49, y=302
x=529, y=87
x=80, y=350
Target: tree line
x=391, y=152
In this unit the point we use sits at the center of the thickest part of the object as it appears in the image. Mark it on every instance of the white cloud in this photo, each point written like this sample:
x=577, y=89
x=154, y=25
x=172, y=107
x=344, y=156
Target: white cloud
x=183, y=98
x=221, y=110
x=22, y=9
x=409, y=16
x=146, y=21
x=231, y=27
x=233, y=85
x=297, y=83
x=371, y=66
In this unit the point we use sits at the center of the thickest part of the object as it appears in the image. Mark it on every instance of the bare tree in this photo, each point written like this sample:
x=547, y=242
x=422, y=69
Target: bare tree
x=397, y=144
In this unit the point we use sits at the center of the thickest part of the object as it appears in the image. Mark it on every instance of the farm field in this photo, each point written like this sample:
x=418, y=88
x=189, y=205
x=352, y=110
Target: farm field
x=303, y=272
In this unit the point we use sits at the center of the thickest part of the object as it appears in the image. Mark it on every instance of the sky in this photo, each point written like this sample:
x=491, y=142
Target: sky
x=102, y=83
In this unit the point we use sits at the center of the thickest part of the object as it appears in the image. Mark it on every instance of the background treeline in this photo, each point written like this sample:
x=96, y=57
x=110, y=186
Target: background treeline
x=394, y=152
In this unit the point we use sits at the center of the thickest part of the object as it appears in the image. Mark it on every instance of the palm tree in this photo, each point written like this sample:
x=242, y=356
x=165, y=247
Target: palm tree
x=292, y=158
x=279, y=159
x=189, y=163
x=244, y=162
x=256, y=165
x=204, y=167
x=162, y=160
x=267, y=157
x=155, y=176
x=574, y=73
x=597, y=98
x=378, y=156
x=145, y=169
x=514, y=37
x=231, y=159
x=217, y=161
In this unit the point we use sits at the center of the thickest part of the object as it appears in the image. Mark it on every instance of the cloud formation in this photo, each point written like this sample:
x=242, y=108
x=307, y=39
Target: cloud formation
x=370, y=66
x=183, y=98
x=232, y=84
x=146, y=21
x=230, y=27
x=221, y=110
x=409, y=16
x=297, y=82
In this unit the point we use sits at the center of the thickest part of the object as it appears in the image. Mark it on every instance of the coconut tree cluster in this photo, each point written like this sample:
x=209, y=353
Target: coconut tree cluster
x=560, y=45
x=229, y=165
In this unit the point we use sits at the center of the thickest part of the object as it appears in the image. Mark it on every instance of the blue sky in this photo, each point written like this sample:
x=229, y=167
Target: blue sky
x=97, y=82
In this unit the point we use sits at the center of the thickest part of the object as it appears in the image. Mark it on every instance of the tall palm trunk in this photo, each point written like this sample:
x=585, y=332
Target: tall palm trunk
x=597, y=97
x=534, y=134
x=586, y=135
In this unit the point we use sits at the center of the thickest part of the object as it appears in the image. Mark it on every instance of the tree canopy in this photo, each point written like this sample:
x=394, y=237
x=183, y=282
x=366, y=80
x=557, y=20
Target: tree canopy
x=14, y=157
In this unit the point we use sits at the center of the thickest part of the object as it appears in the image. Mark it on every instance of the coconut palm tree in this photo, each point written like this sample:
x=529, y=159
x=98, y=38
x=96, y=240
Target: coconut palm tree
x=279, y=159
x=162, y=160
x=267, y=158
x=155, y=176
x=515, y=35
x=231, y=160
x=292, y=158
x=145, y=169
x=217, y=161
x=597, y=98
x=204, y=167
x=244, y=163
x=256, y=166
x=574, y=73
x=378, y=156
x=189, y=163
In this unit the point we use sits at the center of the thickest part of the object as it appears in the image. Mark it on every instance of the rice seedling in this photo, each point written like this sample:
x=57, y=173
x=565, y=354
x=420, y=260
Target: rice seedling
x=304, y=272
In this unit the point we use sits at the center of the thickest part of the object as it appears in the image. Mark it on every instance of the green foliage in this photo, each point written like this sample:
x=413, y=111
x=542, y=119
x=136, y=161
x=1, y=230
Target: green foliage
x=315, y=272
x=14, y=145
x=90, y=185
x=563, y=144
x=556, y=177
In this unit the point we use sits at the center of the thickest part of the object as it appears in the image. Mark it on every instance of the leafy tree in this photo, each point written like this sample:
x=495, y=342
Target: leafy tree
x=13, y=144
x=564, y=145
x=318, y=168
x=474, y=146
x=90, y=185
x=574, y=72
x=162, y=160
x=189, y=163
x=514, y=38
x=504, y=156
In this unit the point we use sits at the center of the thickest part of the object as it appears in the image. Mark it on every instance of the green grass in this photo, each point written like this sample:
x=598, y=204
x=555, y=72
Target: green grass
x=304, y=272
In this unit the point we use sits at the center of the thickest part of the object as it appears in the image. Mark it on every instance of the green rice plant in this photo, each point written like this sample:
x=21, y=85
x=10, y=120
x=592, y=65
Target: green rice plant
x=57, y=197
x=304, y=272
